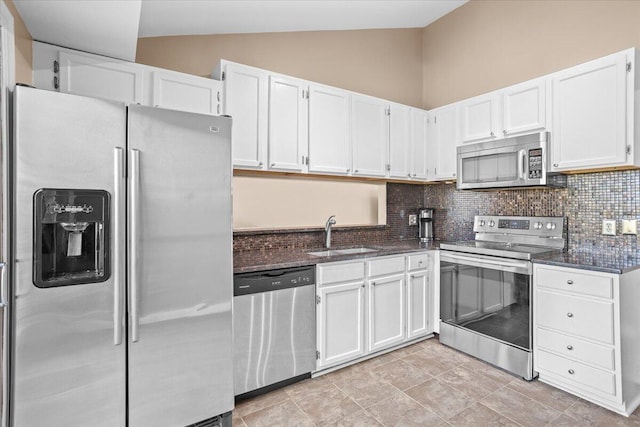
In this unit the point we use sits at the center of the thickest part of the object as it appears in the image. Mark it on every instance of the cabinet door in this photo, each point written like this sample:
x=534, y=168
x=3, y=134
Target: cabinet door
x=340, y=322
x=329, y=147
x=369, y=135
x=288, y=119
x=419, y=143
x=386, y=311
x=101, y=78
x=183, y=92
x=479, y=118
x=445, y=141
x=589, y=115
x=524, y=107
x=400, y=142
x=419, y=302
x=245, y=99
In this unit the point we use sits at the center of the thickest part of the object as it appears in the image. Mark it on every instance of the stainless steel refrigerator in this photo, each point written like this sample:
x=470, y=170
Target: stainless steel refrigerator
x=120, y=277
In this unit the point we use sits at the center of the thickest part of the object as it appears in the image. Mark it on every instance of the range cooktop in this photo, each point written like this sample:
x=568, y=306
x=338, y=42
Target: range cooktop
x=517, y=237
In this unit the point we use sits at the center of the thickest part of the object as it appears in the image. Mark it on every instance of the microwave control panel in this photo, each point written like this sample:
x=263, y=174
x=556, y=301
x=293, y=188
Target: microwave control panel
x=535, y=163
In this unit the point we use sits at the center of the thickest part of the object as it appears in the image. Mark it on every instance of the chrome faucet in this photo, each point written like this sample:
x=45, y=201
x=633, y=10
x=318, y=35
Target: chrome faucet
x=327, y=229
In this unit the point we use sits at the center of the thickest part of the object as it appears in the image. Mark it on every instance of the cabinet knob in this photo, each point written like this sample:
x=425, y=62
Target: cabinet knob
x=569, y=282
x=260, y=164
x=420, y=262
x=569, y=314
x=555, y=165
x=571, y=371
x=504, y=132
x=493, y=134
x=348, y=170
x=409, y=175
x=569, y=347
x=273, y=165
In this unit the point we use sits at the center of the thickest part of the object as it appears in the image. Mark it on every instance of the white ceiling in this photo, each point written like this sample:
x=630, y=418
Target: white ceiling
x=162, y=17
x=112, y=27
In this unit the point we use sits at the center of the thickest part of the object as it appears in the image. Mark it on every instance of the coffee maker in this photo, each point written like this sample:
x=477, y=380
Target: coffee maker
x=425, y=224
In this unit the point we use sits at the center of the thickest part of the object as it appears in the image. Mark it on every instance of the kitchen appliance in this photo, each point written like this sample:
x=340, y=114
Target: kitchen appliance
x=121, y=267
x=519, y=161
x=274, y=317
x=485, y=288
x=425, y=224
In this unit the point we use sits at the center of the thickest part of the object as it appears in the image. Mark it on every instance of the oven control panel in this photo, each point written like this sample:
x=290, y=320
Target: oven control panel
x=534, y=226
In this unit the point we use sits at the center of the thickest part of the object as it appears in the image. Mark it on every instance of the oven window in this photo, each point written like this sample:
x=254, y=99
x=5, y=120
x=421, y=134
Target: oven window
x=491, y=168
x=491, y=302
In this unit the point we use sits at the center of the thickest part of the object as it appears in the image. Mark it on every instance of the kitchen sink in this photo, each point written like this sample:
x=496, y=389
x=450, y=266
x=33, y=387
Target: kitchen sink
x=334, y=252
x=357, y=250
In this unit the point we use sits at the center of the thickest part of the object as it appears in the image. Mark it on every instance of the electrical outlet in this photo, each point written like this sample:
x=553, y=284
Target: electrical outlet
x=413, y=219
x=630, y=226
x=609, y=227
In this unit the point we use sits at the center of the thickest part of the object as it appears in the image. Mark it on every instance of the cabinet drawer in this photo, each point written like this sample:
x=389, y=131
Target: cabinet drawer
x=418, y=261
x=601, y=381
x=575, y=348
x=383, y=266
x=586, y=318
x=343, y=272
x=573, y=281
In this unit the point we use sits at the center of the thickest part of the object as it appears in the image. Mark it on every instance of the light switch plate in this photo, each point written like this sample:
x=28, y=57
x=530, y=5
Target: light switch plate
x=630, y=226
x=609, y=227
x=413, y=219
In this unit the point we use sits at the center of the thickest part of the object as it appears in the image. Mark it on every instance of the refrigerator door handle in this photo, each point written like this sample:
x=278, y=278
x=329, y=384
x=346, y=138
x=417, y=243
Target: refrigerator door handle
x=134, y=207
x=4, y=292
x=118, y=229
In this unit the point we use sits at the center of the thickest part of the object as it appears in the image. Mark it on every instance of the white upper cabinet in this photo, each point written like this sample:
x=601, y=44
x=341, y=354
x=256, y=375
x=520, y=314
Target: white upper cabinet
x=288, y=124
x=329, y=118
x=184, y=92
x=246, y=101
x=479, y=118
x=419, y=143
x=369, y=135
x=593, y=114
x=444, y=131
x=524, y=108
x=107, y=78
x=81, y=73
x=400, y=143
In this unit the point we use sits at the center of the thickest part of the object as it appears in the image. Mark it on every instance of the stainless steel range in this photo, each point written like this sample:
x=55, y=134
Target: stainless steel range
x=485, y=288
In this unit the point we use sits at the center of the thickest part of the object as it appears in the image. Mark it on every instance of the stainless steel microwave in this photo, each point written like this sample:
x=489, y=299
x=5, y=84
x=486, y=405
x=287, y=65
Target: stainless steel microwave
x=519, y=161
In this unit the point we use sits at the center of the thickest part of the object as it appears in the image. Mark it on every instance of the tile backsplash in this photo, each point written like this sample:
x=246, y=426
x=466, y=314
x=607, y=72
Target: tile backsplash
x=587, y=200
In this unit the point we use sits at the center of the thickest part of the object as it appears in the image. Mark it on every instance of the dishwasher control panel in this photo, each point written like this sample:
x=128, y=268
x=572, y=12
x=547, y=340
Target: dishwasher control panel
x=273, y=280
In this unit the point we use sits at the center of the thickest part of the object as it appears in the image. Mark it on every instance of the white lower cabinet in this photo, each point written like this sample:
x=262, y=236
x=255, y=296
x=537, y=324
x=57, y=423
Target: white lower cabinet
x=374, y=304
x=585, y=334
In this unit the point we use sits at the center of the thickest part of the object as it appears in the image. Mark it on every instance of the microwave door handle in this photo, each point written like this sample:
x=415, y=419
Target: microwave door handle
x=522, y=157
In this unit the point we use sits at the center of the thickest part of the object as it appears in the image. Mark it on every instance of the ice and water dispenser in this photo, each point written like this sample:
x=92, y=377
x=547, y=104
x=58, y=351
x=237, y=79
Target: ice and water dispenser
x=71, y=237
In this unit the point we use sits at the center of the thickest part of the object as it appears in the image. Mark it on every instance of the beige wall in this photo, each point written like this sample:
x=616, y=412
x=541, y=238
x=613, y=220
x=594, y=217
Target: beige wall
x=383, y=63
x=24, y=68
x=486, y=45
x=299, y=202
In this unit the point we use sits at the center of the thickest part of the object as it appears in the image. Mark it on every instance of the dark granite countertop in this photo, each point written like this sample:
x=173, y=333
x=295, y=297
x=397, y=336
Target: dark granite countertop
x=249, y=261
x=594, y=261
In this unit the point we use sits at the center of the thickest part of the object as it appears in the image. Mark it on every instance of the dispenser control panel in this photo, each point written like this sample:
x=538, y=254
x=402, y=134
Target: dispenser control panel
x=71, y=237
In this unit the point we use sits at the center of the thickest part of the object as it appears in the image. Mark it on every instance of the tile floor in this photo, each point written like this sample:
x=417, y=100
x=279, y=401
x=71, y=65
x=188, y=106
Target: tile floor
x=426, y=384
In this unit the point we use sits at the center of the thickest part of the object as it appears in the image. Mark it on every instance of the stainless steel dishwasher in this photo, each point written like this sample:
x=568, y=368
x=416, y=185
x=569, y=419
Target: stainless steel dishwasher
x=274, y=314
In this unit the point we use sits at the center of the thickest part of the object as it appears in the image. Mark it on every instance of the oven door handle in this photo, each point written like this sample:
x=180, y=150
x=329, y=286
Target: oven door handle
x=493, y=263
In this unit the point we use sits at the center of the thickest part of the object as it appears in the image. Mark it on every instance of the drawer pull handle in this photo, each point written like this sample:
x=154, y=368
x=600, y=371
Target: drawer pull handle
x=571, y=371
x=569, y=314
x=569, y=347
x=569, y=282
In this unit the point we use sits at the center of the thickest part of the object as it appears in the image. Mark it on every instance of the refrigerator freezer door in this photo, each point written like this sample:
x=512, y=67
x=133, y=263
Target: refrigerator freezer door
x=66, y=368
x=180, y=342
